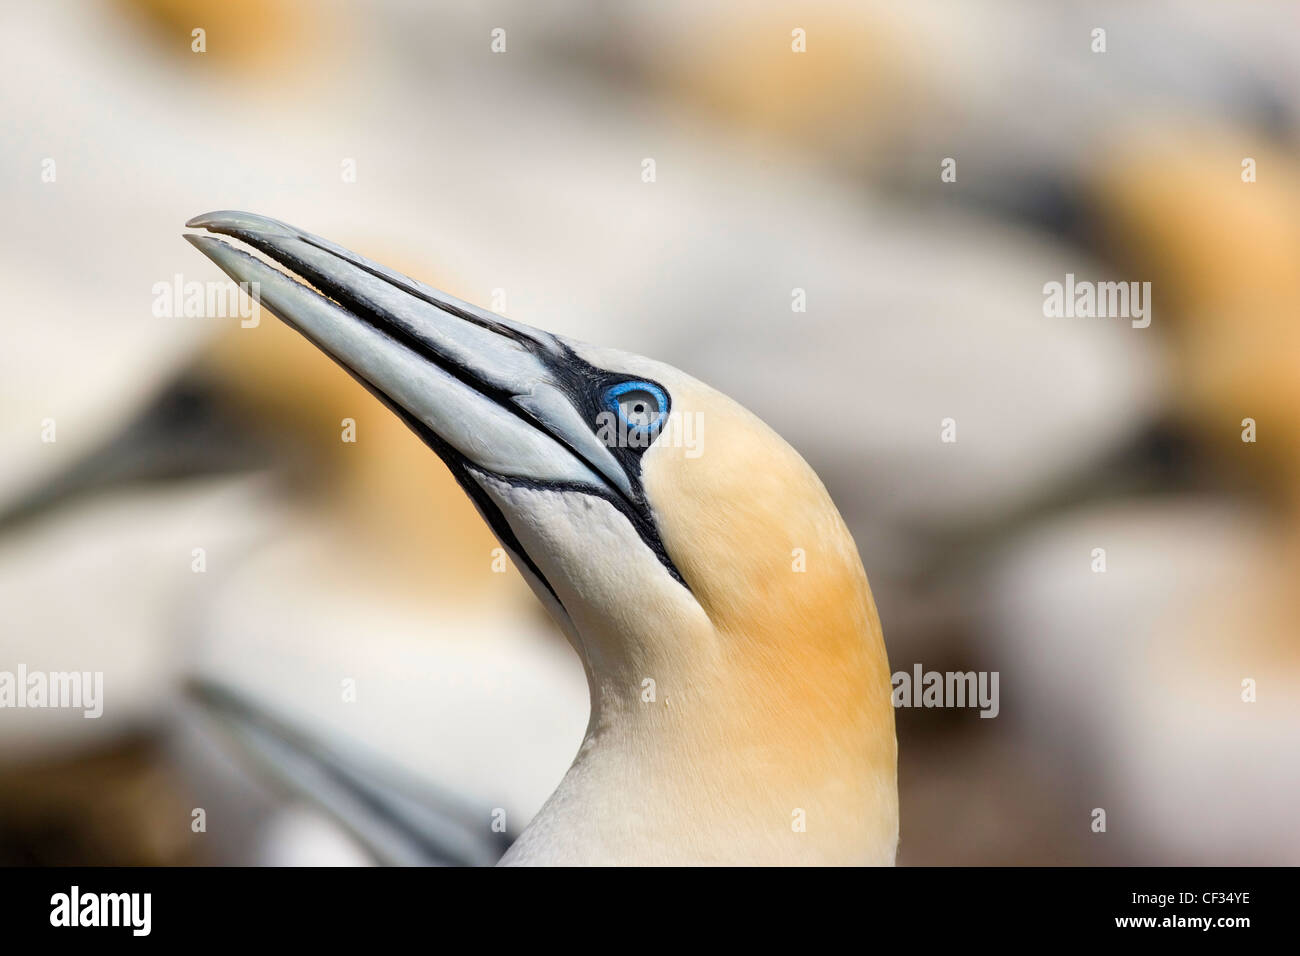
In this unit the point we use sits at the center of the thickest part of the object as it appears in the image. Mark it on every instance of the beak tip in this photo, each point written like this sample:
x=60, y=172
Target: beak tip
x=213, y=218
x=233, y=221
x=210, y=246
x=227, y=258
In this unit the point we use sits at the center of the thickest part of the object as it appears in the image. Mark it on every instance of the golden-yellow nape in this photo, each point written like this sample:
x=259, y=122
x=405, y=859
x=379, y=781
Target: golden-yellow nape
x=740, y=693
x=752, y=698
x=776, y=570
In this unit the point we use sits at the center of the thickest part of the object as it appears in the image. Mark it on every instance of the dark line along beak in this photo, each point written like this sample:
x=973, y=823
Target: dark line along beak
x=491, y=391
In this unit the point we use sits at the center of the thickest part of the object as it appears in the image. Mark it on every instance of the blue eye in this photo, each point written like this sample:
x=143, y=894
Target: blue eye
x=641, y=406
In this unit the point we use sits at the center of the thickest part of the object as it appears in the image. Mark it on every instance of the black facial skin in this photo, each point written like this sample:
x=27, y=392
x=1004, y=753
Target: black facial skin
x=583, y=383
x=586, y=385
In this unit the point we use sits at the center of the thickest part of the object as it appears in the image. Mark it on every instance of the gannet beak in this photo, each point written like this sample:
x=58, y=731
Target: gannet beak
x=473, y=384
x=487, y=394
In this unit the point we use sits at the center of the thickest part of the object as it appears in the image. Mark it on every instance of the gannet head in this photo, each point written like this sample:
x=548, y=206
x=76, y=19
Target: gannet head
x=739, y=686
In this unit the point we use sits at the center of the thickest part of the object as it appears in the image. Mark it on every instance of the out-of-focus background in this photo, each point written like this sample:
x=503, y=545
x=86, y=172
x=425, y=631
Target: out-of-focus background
x=843, y=214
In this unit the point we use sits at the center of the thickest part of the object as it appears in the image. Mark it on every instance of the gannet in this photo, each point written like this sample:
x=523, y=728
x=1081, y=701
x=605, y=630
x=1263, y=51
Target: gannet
x=739, y=686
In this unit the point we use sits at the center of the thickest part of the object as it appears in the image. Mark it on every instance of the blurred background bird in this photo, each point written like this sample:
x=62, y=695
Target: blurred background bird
x=792, y=217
